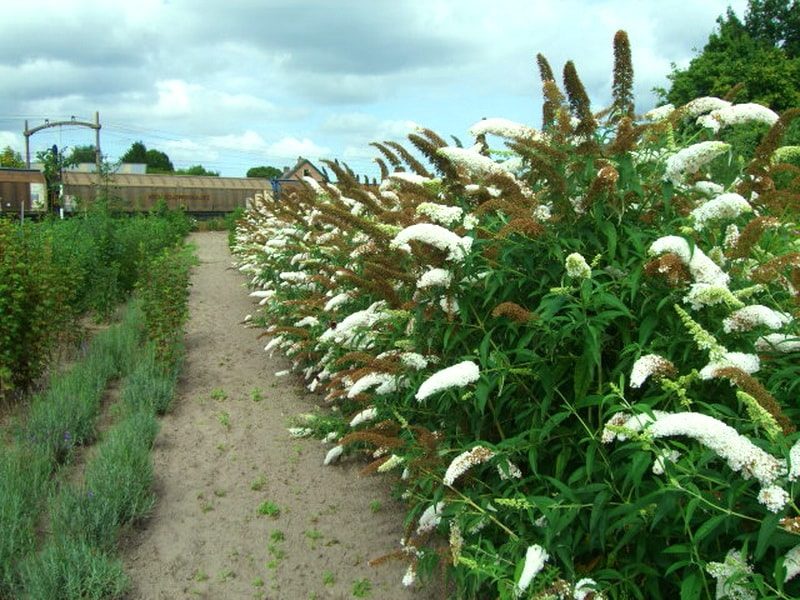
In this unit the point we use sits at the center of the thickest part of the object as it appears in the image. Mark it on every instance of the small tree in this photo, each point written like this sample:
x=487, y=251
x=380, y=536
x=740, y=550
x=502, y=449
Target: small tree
x=11, y=159
x=81, y=154
x=264, y=171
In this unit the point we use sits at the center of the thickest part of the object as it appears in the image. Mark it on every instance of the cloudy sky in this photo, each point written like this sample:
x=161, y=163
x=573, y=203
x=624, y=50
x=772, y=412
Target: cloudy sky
x=238, y=83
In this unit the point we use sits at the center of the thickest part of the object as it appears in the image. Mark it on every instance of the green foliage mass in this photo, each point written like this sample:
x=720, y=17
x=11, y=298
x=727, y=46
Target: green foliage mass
x=156, y=160
x=11, y=159
x=54, y=271
x=551, y=272
x=264, y=171
x=756, y=60
x=197, y=170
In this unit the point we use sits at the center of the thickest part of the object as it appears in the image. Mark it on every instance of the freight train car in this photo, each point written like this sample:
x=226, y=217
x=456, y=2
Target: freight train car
x=22, y=189
x=198, y=195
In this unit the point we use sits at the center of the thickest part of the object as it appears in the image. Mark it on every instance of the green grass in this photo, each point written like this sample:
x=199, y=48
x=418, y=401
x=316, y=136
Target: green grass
x=361, y=588
x=269, y=509
x=72, y=569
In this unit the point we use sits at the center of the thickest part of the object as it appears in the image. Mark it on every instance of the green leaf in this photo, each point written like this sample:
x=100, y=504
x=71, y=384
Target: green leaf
x=692, y=586
x=769, y=526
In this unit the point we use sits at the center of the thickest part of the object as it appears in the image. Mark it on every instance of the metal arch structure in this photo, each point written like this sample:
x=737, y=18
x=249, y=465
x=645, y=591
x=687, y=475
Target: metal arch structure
x=96, y=126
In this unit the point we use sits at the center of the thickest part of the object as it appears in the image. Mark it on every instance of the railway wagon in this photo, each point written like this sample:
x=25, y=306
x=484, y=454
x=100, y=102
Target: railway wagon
x=22, y=188
x=198, y=195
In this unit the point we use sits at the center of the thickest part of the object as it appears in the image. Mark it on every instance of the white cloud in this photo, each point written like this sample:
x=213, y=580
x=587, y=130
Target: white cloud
x=291, y=147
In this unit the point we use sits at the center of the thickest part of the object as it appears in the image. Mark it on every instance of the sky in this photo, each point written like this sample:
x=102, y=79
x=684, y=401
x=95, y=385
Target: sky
x=239, y=83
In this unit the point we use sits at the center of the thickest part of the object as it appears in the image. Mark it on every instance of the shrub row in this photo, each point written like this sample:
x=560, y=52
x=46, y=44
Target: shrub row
x=581, y=349
x=54, y=271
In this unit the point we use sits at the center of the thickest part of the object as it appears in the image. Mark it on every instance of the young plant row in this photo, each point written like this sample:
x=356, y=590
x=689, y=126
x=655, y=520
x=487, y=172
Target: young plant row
x=59, y=537
x=580, y=350
x=55, y=271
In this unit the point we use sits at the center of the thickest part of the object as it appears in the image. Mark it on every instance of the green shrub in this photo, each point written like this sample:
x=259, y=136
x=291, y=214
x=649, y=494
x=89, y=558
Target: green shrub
x=548, y=343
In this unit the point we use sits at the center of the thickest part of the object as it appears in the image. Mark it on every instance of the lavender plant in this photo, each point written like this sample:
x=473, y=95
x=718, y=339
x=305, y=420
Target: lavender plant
x=581, y=349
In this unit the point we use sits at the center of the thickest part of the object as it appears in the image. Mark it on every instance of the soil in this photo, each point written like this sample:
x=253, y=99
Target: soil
x=220, y=456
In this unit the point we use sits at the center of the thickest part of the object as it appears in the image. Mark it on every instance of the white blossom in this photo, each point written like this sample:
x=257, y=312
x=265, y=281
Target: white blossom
x=698, y=106
x=535, y=557
x=690, y=160
x=724, y=206
x=470, y=222
x=355, y=324
x=430, y=518
x=262, y=294
x=755, y=315
x=503, y=128
x=456, y=247
x=449, y=305
x=584, y=587
x=731, y=236
x=368, y=414
x=659, y=113
x=383, y=382
x=465, y=461
x=794, y=462
x=411, y=178
x=473, y=162
x=778, y=342
x=412, y=360
x=307, y=322
x=791, y=563
x=435, y=277
x=393, y=462
x=662, y=456
x=734, y=565
x=739, y=452
x=336, y=301
x=705, y=294
x=709, y=188
x=283, y=373
x=543, y=212
x=333, y=455
x=314, y=185
x=702, y=268
x=577, y=267
x=440, y=213
x=737, y=114
x=458, y=375
x=748, y=363
x=513, y=471
x=410, y=576
x=646, y=366
x=773, y=497
x=293, y=276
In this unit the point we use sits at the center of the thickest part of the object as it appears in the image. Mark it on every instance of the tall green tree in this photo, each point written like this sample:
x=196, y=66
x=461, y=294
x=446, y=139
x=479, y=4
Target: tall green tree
x=156, y=160
x=758, y=55
x=264, y=171
x=81, y=154
x=11, y=159
x=137, y=153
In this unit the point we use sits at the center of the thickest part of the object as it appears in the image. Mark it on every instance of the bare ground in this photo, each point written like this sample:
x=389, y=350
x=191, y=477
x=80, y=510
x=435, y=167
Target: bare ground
x=218, y=460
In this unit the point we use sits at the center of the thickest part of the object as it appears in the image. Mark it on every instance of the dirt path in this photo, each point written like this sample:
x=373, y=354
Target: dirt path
x=217, y=460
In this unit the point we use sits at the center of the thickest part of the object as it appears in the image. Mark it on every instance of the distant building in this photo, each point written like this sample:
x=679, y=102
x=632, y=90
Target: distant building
x=292, y=176
x=25, y=187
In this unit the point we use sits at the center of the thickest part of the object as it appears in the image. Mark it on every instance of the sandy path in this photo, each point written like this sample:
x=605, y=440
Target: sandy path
x=206, y=538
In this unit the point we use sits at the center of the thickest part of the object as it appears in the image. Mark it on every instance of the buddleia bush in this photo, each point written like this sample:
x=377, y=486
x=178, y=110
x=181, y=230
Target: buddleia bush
x=580, y=349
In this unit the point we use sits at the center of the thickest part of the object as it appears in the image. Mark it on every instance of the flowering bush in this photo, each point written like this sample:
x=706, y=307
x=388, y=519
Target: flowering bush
x=581, y=349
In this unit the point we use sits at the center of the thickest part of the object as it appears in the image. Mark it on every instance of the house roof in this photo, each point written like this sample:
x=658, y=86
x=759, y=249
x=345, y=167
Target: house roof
x=297, y=168
x=174, y=181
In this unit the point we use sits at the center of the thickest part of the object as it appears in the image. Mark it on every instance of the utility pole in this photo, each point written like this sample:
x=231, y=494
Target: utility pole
x=96, y=126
